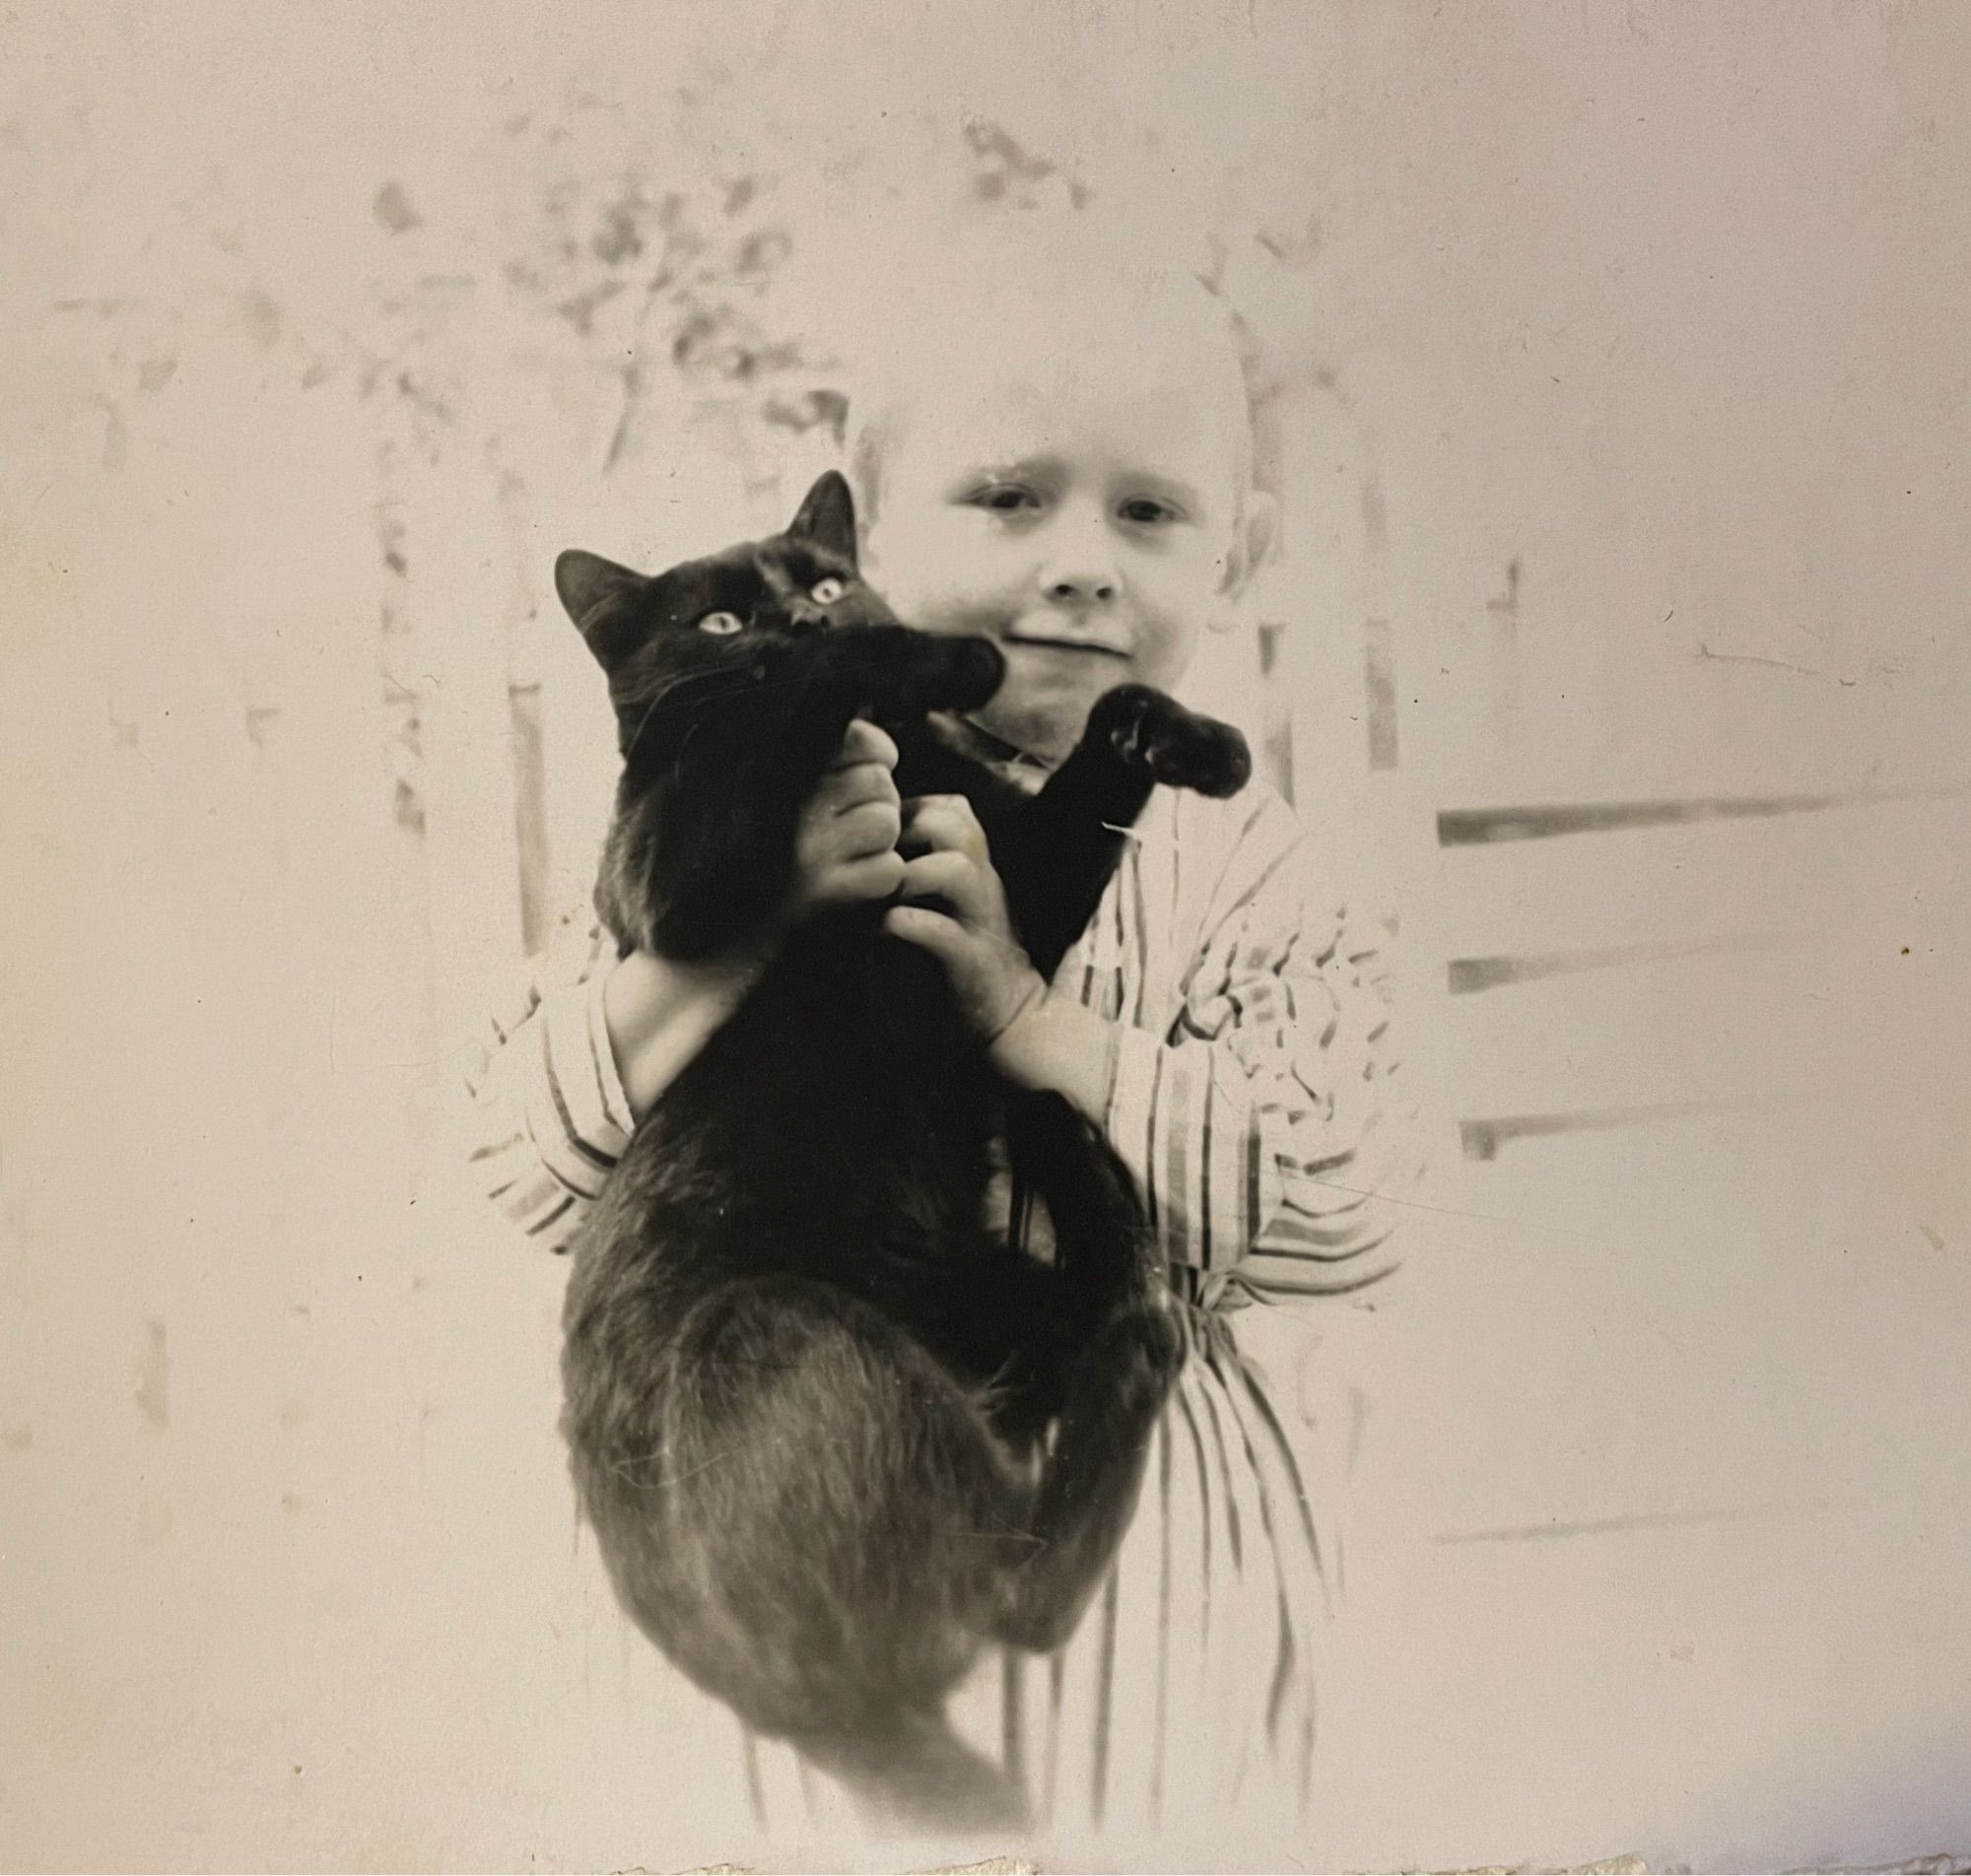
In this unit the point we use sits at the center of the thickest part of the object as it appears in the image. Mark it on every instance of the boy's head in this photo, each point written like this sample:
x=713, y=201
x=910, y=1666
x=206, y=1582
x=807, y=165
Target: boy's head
x=1054, y=449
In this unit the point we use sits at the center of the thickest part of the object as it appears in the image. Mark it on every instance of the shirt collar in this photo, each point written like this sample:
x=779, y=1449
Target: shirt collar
x=994, y=753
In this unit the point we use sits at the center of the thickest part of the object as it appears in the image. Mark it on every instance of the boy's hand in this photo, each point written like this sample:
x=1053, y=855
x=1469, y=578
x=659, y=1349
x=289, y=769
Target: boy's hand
x=658, y=1014
x=969, y=931
x=845, y=851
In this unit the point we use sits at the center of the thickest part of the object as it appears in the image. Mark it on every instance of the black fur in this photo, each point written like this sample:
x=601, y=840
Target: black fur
x=832, y=1434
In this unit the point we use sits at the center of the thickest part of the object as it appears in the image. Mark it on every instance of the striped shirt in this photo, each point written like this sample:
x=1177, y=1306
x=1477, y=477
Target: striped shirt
x=1249, y=1095
x=1251, y=1098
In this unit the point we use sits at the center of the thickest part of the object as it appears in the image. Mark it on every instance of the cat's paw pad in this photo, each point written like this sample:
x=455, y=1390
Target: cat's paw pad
x=1179, y=748
x=1206, y=757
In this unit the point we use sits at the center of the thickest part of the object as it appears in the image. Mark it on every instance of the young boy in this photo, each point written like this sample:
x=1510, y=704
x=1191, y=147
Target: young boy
x=1061, y=460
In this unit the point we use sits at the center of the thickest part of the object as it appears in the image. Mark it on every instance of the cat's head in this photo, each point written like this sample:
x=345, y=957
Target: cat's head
x=715, y=614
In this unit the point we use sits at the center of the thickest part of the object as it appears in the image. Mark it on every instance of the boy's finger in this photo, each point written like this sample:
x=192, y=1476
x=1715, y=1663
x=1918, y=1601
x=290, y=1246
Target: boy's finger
x=870, y=827
x=943, y=809
x=949, y=875
x=841, y=790
x=952, y=880
x=866, y=743
x=877, y=876
x=930, y=825
x=916, y=924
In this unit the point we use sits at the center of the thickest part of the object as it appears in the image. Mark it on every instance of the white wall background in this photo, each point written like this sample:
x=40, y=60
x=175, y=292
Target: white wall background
x=1622, y=360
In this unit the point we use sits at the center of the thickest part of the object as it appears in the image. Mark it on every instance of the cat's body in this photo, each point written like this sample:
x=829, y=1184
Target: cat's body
x=834, y=1433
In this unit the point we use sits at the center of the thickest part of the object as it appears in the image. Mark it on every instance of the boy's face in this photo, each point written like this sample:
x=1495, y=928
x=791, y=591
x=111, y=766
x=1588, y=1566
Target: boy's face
x=1082, y=511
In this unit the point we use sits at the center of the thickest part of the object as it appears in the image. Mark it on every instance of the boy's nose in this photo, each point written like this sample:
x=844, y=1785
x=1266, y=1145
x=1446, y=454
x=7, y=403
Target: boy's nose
x=1079, y=572
x=1077, y=558
x=1072, y=589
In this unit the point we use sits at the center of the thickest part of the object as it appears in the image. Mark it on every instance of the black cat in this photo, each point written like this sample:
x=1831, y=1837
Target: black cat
x=834, y=1435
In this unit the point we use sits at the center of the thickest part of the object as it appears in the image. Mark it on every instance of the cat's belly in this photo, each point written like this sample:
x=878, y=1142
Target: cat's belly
x=817, y=1197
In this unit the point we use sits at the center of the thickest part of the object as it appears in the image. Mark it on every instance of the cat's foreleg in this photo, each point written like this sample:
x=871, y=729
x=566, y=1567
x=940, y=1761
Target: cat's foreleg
x=715, y=855
x=893, y=672
x=1066, y=842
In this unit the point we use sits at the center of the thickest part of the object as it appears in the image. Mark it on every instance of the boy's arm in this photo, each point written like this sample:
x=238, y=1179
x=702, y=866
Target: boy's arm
x=586, y=1047
x=1261, y=1126
x=1258, y=1124
x=1264, y=1128
x=591, y=1039
x=548, y=1117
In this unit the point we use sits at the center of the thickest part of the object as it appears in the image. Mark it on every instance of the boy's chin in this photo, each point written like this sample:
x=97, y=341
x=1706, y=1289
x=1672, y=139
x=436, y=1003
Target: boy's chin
x=1046, y=729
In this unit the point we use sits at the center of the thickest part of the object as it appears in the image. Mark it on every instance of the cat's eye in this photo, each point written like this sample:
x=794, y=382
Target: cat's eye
x=824, y=592
x=720, y=622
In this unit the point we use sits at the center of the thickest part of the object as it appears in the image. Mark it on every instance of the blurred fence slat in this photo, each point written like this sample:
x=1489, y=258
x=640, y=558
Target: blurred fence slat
x=456, y=594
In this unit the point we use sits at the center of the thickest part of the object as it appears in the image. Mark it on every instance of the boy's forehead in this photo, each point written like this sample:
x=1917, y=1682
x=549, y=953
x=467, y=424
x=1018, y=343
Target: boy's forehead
x=1146, y=366
x=1087, y=410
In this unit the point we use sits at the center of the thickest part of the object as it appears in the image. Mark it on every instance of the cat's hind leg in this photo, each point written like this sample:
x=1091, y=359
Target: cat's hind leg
x=1104, y=1250
x=1123, y=1349
x=819, y=1537
x=1092, y=1475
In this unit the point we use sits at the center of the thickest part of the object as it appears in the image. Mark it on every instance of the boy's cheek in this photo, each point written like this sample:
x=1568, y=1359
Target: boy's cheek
x=950, y=607
x=1172, y=632
x=935, y=571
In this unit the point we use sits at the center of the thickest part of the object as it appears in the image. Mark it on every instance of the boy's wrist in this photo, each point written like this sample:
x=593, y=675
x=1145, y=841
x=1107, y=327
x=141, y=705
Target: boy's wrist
x=1053, y=1042
x=658, y=1014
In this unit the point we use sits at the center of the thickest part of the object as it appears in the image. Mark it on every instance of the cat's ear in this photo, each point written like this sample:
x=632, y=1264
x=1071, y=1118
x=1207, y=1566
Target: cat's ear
x=591, y=591
x=828, y=517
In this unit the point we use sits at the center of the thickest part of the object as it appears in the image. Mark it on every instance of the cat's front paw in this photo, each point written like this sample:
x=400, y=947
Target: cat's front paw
x=970, y=675
x=1179, y=748
x=905, y=672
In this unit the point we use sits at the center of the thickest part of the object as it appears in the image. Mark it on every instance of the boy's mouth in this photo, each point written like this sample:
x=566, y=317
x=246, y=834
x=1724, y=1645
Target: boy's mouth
x=1050, y=643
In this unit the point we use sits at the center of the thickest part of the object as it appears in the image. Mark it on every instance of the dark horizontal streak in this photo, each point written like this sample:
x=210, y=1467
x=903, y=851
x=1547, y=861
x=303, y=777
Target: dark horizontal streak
x=1483, y=1139
x=1467, y=976
x=1638, y=1521
x=1480, y=827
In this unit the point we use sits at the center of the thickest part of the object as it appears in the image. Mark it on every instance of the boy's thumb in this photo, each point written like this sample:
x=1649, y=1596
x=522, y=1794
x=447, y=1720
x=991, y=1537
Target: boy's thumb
x=918, y=925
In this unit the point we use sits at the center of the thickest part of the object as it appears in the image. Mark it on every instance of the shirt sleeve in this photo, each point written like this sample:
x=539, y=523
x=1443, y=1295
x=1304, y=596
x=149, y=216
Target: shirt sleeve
x=1259, y=1125
x=546, y=1118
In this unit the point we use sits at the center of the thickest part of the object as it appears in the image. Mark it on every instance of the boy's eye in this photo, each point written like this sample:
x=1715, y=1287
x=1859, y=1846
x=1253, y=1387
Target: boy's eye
x=1144, y=508
x=824, y=592
x=722, y=623
x=1004, y=500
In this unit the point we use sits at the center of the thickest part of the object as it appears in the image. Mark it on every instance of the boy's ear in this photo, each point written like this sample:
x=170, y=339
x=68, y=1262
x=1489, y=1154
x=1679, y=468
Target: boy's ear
x=828, y=517
x=1259, y=530
x=591, y=590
